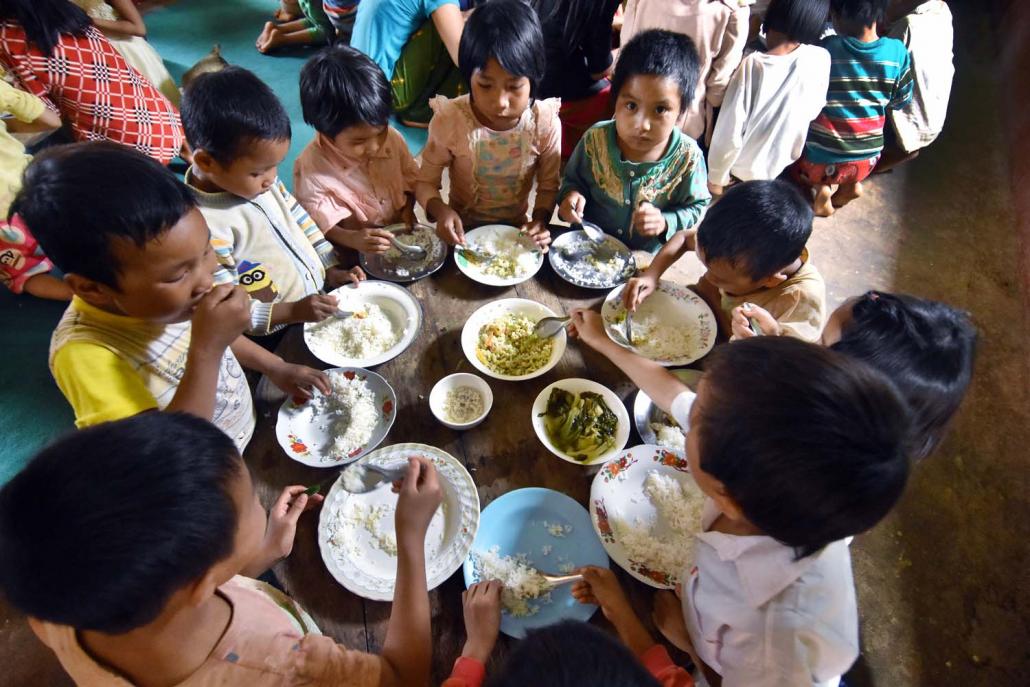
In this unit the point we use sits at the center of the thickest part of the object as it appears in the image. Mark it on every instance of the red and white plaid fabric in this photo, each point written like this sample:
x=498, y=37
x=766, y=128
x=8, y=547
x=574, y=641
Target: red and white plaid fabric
x=89, y=83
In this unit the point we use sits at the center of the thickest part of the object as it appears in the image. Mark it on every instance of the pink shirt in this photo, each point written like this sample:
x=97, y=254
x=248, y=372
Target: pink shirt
x=270, y=642
x=491, y=171
x=332, y=187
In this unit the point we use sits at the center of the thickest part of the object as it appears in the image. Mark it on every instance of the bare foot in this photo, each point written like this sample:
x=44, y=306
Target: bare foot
x=668, y=618
x=847, y=193
x=273, y=40
x=822, y=204
x=282, y=16
x=262, y=38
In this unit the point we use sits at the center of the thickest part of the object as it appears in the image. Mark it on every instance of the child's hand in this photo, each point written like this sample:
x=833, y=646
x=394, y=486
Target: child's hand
x=599, y=586
x=220, y=317
x=313, y=308
x=572, y=207
x=282, y=520
x=741, y=325
x=715, y=189
x=482, y=606
x=649, y=220
x=448, y=224
x=298, y=380
x=336, y=277
x=588, y=327
x=637, y=290
x=537, y=230
x=420, y=496
x=374, y=240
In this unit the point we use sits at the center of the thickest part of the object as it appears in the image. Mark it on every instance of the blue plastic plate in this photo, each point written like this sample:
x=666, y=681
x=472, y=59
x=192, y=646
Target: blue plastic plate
x=515, y=523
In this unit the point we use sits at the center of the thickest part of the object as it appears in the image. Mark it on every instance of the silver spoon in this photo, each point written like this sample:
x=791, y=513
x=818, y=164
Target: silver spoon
x=408, y=251
x=555, y=580
x=361, y=478
x=629, y=326
x=343, y=314
x=593, y=232
x=755, y=327
x=476, y=254
x=550, y=326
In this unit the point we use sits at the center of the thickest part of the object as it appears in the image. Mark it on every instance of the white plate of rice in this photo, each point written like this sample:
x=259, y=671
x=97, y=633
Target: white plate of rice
x=497, y=339
x=646, y=508
x=329, y=431
x=356, y=532
x=386, y=321
x=517, y=257
x=673, y=327
x=654, y=425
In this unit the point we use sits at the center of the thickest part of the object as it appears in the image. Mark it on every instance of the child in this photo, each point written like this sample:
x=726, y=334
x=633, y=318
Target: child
x=868, y=76
x=772, y=97
x=753, y=244
x=121, y=22
x=59, y=56
x=718, y=29
x=927, y=32
x=357, y=173
x=239, y=133
x=147, y=329
x=497, y=139
x=796, y=448
x=542, y=658
x=638, y=176
x=314, y=28
x=23, y=267
x=341, y=14
x=142, y=575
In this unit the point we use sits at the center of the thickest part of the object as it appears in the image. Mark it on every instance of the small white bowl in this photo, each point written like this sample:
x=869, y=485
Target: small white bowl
x=438, y=397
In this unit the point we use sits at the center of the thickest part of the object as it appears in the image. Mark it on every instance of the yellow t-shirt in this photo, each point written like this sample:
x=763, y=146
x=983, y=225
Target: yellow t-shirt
x=24, y=107
x=110, y=367
x=798, y=304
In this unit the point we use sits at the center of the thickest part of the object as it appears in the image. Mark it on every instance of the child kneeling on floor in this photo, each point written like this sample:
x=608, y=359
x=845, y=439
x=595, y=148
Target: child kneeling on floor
x=796, y=448
x=141, y=575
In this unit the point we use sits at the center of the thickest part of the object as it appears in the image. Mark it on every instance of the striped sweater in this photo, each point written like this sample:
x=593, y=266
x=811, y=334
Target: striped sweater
x=866, y=79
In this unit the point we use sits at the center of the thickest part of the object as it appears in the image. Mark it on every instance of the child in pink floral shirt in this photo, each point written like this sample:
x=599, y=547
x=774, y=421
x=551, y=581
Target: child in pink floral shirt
x=498, y=139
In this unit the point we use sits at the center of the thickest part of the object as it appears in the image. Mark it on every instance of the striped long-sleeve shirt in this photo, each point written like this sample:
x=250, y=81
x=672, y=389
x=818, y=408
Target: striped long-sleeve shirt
x=866, y=79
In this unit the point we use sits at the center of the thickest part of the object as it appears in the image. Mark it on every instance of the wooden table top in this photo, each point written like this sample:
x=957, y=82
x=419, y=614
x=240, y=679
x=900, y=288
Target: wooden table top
x=501, y=454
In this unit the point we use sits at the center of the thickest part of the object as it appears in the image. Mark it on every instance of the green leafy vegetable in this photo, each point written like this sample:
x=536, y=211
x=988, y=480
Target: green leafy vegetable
x=581, y=426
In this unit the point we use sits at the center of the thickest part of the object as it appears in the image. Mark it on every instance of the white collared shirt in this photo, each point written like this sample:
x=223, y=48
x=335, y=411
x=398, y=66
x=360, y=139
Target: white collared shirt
x=760, y=618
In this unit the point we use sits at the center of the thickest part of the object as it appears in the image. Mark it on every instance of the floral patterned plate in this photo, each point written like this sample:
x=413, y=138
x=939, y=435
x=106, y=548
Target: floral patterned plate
x=673, y=327
x=617, y=496
x=306, y=434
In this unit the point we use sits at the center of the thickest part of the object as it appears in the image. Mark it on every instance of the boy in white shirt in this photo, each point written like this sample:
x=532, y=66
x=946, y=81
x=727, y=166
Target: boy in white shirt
x=796, y=448
x=772, y=97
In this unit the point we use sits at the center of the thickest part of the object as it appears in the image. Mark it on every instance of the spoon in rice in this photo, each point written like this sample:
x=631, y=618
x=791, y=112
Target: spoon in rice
x=361, y=478
x=550, y=326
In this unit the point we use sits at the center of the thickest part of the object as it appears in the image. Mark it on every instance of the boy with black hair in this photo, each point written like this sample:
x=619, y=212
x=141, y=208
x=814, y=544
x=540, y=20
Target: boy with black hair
x=753, y=244
x=638, y=176
x=796, y=448
x=357, y=175
x=142, y=575
x=869, y=75
x=239, y=133
x=147, y=328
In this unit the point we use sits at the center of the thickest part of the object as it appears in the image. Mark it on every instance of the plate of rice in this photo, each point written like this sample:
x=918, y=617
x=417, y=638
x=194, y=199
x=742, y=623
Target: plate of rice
x=397, y=267
x=646, y=508
x=356, y=534
x=673, y=327
x=498, y=340
x=514, y=257
x=657, y=427
x=524, y=534
x=577, y=260
x=330, y=431
x=385, y=322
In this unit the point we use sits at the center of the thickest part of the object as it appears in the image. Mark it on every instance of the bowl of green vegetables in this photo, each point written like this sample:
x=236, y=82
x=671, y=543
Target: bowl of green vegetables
x=581, y=421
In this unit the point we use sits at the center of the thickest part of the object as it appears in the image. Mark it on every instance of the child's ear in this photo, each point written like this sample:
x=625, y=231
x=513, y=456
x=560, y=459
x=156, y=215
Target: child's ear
x=204, y=588
x=203, y=161
x=93, y=292
x=774, y=280
x=727, y=505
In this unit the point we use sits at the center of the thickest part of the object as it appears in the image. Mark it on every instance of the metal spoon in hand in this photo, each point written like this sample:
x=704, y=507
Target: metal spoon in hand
x=550, y=326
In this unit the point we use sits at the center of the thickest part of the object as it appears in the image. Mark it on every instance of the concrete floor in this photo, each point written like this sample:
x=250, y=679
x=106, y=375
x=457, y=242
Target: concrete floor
x=943, y=585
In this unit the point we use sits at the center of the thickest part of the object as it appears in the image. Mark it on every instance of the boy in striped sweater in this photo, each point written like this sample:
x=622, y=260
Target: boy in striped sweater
x=868, y=76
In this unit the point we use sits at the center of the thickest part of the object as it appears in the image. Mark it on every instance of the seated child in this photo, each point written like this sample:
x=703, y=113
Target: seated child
x=357, y=174
x=772, y=97
x=497, y=139
x=313, y=28
x=143, y=576
x=239, y=133
x=868, y=76
x=542, y=659
x=796, y=448
x=638, y=176
x=341, y=15
x=753, y=244
x=147, y=328
x=23, y=267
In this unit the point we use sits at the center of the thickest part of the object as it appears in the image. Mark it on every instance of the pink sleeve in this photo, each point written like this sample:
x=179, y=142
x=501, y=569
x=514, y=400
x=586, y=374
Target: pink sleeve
x=321, y=661
x=548, y=172
x=436, y=156
x=659, y=663
x=409, y=168
x=467, y=672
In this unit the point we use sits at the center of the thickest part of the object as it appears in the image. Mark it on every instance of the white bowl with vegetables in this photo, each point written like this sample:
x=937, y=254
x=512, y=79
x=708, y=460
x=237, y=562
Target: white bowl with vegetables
x=498, y=340
x=461, y=400
x=581, y=421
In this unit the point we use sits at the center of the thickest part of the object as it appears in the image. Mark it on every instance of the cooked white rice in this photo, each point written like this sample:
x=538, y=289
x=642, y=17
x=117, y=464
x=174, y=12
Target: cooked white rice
x=521, y=581
x=669, y=436
x=351, y=413
x=365, y=334
x=590, y=270
x=357, y=521
x=513, y=255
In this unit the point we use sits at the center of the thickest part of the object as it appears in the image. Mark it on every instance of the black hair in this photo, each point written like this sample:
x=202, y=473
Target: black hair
x=542, y=660
x=508, y=31
x=575, y=17
x=801, y=20
x=659, y=53
x=77, y=198
x=860, y=12
x=224, y=111
x=926, y=348
x=811, y=444
x=758, y=226
x=341, y=87
x=103, y=526
x=45, y=20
